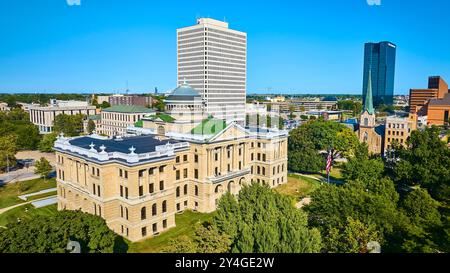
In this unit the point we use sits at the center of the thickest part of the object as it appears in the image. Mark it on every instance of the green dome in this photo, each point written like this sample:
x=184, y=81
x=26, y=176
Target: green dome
x=183, y=92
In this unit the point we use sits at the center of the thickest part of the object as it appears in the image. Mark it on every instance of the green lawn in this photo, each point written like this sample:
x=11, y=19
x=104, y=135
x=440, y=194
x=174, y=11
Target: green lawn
x=298, y=186
x=184, y=226
x=335, y=174
x=21, y=212
x=9, y=192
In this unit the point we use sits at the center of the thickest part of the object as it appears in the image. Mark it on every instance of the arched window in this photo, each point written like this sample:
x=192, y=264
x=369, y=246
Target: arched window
x=185, y=190
x=230, y=186
x=178, y=191
x=164, y=206
x=218, y=189
x=196, y=190
x=154, y=210
x=126, y=213
x=143, y=213
x=121, y=211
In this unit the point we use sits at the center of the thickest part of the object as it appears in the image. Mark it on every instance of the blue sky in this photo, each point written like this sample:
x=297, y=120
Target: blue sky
x=293, y=46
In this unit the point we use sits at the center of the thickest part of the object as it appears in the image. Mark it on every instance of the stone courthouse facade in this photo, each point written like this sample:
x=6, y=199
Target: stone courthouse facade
x=138, y=184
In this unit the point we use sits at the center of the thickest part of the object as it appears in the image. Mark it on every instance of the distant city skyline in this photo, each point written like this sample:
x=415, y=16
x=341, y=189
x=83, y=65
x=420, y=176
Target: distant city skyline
x=53, y=47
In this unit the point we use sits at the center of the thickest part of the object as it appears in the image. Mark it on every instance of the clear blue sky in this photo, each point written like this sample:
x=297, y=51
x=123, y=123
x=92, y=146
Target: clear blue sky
x=293, y=46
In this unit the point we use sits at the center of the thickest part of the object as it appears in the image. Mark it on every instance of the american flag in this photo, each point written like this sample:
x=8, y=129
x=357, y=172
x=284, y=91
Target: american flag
x=329, y=162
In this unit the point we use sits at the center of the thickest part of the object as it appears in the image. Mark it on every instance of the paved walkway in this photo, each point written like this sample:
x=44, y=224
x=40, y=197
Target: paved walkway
x=23, y=204
x=25, y=196
x=304, y=202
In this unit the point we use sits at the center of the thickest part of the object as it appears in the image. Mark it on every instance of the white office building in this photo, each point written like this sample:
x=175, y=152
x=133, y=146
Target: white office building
x=212, y=59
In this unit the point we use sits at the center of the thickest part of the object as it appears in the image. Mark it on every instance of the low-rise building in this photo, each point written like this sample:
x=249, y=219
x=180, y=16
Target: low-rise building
x=4, y=106
x=44, y=116
x=438, y=111
x=116, y=119
x=419, y=98
x=398, y=130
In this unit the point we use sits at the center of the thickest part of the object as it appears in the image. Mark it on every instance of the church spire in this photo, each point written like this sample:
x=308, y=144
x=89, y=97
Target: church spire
x=368, y=105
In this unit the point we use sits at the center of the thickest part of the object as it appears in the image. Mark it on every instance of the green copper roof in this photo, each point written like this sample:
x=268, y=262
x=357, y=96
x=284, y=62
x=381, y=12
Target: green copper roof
x=368, y=105
x=209, y=126
x=163, y=117
x=94, y=117
x=128, y=109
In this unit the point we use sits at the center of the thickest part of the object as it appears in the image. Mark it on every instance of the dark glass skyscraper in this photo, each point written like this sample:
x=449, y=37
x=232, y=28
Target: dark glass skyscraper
x=379, y=58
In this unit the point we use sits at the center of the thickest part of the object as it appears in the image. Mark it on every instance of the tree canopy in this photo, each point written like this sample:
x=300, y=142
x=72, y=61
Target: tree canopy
x=70, y=125
x=51, y=234
x=262, y=221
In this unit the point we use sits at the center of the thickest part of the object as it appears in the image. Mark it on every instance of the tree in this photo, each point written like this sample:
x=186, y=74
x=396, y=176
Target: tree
x=352, y=236
x=315, y=136
x=51, y=234
x=291, y=111
x=360, y=167
x=262, y=221
x=306, y=159
x=47, y=142
x=425, y=163
x=43, y=167
x=367, y=203
x=105, y=105
x=420, y=234
x=90, y=126
x=70, y=125
x=8, y=150
x=206, y=239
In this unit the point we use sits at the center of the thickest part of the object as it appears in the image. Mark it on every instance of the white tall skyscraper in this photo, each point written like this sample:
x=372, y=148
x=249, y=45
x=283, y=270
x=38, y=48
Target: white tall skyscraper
x=213, y=60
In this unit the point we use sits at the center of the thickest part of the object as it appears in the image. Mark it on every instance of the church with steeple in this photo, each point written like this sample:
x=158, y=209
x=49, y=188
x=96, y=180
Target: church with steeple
x=368, y=131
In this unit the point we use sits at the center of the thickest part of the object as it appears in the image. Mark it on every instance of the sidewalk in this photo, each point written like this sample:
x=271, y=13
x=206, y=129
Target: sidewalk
x=25, y=203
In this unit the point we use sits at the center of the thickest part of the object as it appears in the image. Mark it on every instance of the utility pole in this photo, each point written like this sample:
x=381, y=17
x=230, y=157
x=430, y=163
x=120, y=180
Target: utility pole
x=7, y=167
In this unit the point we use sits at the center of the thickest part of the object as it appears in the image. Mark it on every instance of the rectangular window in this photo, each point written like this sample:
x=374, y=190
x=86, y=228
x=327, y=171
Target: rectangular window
x=161, y=169
x=151, y=171
x=216, y=156
x=121, y=191
x=141, y=190
x=178, y=207
x=151, y=188
x=196, y=173
x=185, y=158
x=155, y=228
x=185, y=173
x=120, y=172
x=164, y=223
x=161, y=185
x=126, y=192
x=177, y=175
x=93, y=189
x=196, y=158
x=126, y=174
x=144, y=231
x=98, y=190
x=177, y=160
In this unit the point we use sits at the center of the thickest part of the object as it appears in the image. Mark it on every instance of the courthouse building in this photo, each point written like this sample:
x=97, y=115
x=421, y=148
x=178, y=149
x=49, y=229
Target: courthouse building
x=181, y=159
